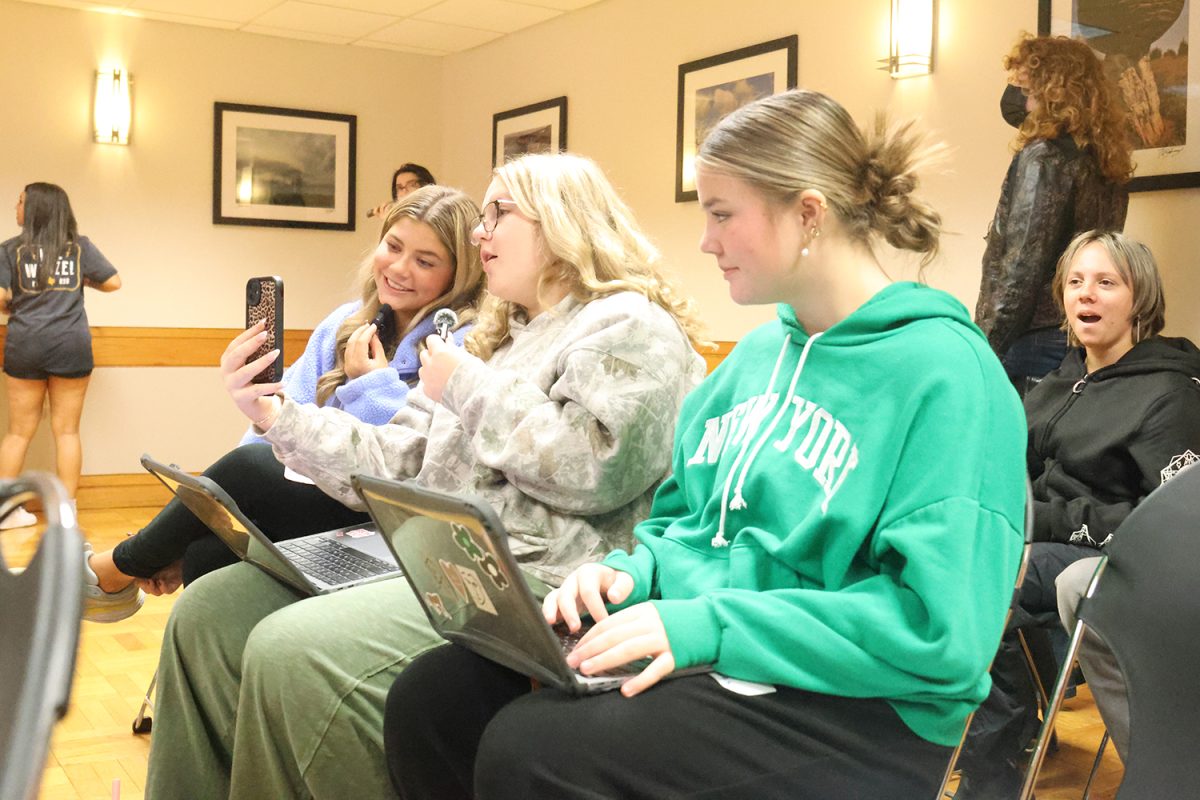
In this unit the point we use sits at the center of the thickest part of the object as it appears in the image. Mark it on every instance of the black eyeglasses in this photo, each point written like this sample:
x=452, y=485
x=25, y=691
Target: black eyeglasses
x=492, y=212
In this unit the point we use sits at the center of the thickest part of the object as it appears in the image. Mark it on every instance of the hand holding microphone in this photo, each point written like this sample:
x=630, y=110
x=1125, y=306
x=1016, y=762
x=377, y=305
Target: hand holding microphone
x=441, y=356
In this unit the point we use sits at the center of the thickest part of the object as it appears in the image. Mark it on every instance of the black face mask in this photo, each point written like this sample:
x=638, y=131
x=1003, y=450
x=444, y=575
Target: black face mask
x=1012, y=105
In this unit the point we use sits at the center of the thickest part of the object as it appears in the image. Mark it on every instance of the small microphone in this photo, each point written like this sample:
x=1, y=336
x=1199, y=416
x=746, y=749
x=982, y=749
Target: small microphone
x=443, y=321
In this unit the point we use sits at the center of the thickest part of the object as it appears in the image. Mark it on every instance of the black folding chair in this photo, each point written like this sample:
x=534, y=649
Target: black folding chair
x=39, y=633
x=949, y=773
x=1143, y=603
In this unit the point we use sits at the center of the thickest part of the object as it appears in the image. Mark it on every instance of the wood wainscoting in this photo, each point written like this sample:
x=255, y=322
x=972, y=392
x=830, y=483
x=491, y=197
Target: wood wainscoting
x=187, y=347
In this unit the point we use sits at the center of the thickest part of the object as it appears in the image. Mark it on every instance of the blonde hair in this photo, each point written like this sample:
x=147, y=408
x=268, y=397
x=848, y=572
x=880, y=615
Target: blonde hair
x=451, y=215
x=1072, y=96
x=1136, y=266
x=800, y=139
x=589, y=240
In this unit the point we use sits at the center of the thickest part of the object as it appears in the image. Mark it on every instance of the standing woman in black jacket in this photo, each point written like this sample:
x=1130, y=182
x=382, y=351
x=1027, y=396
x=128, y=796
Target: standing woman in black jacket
x=48, y=347
x=1068, y=176
x=1119, y=418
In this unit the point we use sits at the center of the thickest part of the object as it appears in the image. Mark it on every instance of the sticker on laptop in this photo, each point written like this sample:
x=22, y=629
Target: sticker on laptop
x=456, y=581
x=434, y=601
x=356, y=533
x=475, y=589
x=466, y=542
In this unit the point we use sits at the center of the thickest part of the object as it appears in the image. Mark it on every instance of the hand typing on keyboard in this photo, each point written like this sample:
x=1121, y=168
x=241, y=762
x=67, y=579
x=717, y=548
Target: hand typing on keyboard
x=630, y=634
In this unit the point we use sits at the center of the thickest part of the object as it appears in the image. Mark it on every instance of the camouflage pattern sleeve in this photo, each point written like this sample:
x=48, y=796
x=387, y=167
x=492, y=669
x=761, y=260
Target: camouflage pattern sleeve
x=329, y=445
x=601, y=433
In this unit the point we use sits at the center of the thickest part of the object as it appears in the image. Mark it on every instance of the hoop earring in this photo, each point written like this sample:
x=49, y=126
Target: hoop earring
x=815, y=233
x=1137, y=330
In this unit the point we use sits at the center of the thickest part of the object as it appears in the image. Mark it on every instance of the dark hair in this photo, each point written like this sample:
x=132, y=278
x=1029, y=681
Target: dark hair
x=423, y=175
x=49, y=225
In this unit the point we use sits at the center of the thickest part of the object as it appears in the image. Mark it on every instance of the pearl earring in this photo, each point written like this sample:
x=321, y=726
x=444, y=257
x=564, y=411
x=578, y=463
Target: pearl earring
x=813, y=234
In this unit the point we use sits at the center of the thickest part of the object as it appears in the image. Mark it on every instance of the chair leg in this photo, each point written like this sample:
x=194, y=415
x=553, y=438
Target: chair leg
x=142, y=723
x=1052, y=708
x=941, y=792
x=1087, y=789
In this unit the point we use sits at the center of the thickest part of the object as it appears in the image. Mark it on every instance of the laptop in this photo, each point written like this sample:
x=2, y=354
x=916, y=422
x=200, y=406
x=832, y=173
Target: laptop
x=319, y=563
x=454, y=551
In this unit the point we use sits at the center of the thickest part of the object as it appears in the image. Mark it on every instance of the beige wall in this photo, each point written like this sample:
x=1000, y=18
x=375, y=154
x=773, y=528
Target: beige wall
x=148, y=206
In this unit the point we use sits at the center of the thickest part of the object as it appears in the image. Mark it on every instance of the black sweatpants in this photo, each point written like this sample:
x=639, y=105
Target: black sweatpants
x=458, y=725
x=252, y=476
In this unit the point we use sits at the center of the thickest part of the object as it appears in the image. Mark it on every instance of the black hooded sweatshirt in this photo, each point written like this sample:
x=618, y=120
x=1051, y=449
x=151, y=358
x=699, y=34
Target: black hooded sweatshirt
x=1100, y=442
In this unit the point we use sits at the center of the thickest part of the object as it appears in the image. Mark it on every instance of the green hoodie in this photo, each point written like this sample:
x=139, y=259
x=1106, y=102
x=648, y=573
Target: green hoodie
x=846, y=511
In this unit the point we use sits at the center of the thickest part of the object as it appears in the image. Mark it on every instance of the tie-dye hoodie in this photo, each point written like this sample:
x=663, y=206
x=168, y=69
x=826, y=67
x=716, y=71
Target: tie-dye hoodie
x=846, y=511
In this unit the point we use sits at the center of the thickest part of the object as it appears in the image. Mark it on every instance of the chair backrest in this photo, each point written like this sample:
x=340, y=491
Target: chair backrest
x=1011, y=605
x=39, y=633
x=1146, y=608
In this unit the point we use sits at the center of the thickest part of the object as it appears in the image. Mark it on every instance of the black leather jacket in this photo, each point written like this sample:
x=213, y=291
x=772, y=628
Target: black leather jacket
x=1053, y=191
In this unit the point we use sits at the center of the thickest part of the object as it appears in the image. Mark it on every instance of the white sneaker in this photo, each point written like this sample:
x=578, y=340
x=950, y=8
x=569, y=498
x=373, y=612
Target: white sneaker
x=102, y=606
x=18, y=518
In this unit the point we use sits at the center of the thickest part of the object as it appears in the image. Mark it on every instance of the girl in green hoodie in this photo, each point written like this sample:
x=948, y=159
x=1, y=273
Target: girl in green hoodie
x=838, y=541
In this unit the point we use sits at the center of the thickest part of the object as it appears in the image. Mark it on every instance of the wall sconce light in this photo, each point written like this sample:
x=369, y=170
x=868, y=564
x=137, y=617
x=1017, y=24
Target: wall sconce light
x=914, y=31
x=113, y=111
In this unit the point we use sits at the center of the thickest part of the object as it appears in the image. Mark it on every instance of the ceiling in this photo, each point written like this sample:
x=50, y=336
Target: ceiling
x=427, y=27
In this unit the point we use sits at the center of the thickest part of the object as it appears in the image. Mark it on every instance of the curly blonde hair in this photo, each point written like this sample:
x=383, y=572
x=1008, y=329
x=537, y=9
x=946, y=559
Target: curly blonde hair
x=590, y=242
x=451, y=215
x=1071, y=96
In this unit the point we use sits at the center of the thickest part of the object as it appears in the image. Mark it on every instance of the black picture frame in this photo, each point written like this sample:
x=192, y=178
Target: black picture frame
x=704, y=81
x=535, y=128
x=1154, y=168
x=283, y=167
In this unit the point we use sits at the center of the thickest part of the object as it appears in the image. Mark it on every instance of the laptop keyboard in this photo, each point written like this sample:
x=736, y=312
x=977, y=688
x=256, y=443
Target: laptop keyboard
x=568, y=640
x=332, y=562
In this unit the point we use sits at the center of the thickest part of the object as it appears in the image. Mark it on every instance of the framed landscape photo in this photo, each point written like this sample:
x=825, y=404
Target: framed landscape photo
x=1146, y=55
x=710, y=88
x=537, y=128
x=283, y=167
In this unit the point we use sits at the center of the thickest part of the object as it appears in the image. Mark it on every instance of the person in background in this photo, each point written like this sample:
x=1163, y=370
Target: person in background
x=847, y=597
x=1068, y=176
x=48, y=346
x=407, y=178
x=424, y=261
x=559, y=413
x=1118, y=418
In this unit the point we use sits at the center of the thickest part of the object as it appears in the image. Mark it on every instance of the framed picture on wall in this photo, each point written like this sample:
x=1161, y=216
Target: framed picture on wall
x=537, y=128
x=1145, y=50
x=710, y=88
x=283, y=167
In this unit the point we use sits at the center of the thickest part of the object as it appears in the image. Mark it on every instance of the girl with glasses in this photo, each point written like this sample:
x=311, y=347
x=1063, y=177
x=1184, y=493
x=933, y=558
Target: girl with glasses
x=838, y=540
x=559, y=412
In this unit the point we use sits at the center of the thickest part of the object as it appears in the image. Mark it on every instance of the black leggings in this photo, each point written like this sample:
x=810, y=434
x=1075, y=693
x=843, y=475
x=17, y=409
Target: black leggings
x=458, y=725
x=251, y=475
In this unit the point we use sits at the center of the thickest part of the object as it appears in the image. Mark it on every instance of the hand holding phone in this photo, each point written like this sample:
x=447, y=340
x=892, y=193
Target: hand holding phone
x=264, y=301
x=385, y=327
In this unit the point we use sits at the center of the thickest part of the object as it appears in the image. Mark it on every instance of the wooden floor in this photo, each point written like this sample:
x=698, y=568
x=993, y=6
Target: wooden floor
x=94, y=745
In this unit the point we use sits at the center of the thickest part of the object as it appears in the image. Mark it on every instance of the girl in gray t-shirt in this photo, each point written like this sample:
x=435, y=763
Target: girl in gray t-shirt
x=48, y=346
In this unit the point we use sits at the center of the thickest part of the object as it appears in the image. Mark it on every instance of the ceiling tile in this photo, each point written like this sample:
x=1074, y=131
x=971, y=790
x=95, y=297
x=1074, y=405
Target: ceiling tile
x=184, y=19
x=310, y=36
x=561, y=5
x=399, y=48
x=296, y=16
x=230, y=10
x=433, y=35
x=392, y=8
x=490, y=15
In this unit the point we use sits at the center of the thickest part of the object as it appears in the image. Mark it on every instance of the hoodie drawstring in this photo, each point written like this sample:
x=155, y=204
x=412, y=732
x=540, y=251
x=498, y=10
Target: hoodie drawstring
x=739, y=501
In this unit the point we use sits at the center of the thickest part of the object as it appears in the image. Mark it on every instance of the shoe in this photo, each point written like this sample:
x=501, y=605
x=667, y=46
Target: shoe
x=18, y=518
x=102, y=606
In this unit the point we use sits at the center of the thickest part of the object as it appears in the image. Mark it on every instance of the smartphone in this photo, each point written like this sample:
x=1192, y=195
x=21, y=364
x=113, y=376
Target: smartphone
x=385, y=327
x=264, y=300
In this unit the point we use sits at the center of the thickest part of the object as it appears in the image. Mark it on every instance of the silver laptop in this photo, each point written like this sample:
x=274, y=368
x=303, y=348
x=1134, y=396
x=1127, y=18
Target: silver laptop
x=319, y=563
x=454, y=551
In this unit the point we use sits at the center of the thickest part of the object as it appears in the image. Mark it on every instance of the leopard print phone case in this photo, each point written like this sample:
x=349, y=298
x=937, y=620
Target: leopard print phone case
x=264, y=300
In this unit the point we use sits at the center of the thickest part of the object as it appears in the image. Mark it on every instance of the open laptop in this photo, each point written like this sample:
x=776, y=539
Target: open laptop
x=454, y=551
x=319, y=563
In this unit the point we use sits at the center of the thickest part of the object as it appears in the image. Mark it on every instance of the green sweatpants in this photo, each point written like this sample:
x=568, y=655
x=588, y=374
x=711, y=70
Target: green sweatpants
x=265, y=694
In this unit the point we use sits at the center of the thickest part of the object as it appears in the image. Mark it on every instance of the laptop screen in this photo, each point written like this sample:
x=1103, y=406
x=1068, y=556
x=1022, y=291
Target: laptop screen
x=209, y=511
x=466, y=579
